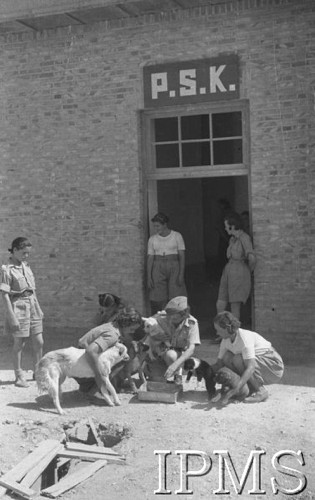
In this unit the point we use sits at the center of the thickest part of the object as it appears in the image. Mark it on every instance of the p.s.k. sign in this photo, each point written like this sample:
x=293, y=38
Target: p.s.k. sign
x=191, y=81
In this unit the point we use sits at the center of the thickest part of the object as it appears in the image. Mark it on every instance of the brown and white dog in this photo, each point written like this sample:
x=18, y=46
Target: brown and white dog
x=137, y=352
x=55, y=366
x=229, y=380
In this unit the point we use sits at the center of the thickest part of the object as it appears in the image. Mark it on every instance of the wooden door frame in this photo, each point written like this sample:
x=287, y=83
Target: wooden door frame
x=150, y=177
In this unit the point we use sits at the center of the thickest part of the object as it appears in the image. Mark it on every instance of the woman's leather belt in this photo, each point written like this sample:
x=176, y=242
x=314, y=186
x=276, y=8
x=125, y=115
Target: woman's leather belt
x=166, y=257
x=21, y=295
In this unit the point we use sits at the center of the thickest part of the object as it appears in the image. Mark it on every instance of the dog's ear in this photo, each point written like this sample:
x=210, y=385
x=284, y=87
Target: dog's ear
x=189, y=375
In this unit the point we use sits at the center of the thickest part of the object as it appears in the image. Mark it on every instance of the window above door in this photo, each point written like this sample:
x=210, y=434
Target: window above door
x=203, y=139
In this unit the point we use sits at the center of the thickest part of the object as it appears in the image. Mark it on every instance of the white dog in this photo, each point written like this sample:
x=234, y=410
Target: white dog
x=52, y=370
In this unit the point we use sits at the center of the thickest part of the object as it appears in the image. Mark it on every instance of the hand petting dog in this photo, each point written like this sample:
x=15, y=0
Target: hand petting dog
x=230, y=386
x=228, y=379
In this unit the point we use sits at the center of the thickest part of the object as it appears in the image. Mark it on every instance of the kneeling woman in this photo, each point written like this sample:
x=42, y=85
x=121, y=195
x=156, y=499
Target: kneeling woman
x=174, y=340
x=248, y=354
x=101, y=338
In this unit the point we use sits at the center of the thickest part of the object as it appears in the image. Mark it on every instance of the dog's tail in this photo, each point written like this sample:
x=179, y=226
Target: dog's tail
x=49, y=370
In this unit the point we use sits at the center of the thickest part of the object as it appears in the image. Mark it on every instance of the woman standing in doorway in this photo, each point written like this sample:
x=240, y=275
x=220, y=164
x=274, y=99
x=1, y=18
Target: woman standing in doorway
x=165, y=265
x=235, y=281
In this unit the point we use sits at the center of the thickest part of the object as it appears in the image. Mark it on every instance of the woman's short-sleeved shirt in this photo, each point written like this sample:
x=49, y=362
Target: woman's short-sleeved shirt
x=183, y=335
x=166, y=245
x=240, y=247
x=16, y=279
x=247, y=343
x=107, y=330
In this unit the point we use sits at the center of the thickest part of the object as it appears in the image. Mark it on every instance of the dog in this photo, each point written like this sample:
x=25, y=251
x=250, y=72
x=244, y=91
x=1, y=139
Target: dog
x=156, y=339
x=55, y=366
x=137, y=352
x=202, y=370
x=229, y=380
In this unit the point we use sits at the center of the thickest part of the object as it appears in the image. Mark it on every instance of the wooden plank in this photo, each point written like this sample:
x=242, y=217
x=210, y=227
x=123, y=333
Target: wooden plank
x=71, y=480
x=30, y=461
x=94, y=432
x=23, y=491
x=91, y=457
x=90, y=448
x=62, y=461
x=30, y=478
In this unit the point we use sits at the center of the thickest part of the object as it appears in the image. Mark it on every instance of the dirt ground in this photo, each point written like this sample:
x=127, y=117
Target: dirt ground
x=284, y=422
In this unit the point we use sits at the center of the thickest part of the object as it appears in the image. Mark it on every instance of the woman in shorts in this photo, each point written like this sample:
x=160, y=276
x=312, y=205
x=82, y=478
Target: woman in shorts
x=23, y=315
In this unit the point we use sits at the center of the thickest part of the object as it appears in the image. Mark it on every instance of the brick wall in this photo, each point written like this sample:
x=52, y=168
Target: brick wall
x=70, y=161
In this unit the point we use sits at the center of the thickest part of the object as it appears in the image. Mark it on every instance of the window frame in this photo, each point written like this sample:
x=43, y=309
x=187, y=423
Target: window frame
x=148, y=140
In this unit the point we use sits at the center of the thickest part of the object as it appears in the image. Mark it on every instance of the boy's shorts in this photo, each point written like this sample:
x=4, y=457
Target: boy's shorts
x=29, y=315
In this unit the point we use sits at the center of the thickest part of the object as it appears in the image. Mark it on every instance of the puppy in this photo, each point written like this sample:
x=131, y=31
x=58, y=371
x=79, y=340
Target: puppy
x=52, y=370
x=156, y=339
x=137, y=352
x=202, y=370
x=229, y=380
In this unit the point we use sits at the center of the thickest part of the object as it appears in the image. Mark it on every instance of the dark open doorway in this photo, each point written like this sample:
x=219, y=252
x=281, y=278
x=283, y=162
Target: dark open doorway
x=194, y=210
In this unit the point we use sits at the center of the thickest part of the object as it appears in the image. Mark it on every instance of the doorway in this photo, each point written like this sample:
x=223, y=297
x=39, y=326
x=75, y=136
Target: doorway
x=194, y=208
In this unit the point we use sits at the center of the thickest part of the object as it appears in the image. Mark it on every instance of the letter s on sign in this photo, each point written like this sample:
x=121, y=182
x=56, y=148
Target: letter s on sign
x=158, y=84
x=288, y=471
x=187, y=80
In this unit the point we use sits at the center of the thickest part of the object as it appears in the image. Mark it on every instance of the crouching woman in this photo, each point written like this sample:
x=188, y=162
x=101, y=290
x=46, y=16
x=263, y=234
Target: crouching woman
x=248, y=354
x=102, y=337
x=176, y=341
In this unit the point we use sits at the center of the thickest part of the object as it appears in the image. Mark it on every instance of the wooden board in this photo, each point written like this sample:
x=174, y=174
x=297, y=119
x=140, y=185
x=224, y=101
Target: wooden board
x=30, y=461
x=90, y=448
x=17, y=488
x=91, y=457
x=71, y=480
x=30, y=478
x=160, y=392
x=94, y=432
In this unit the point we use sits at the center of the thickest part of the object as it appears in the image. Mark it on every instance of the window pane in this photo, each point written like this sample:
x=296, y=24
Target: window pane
x=166, y=129
x=195, y=127
x=195, y=154
x=167, y=156
x=227, y=124
x=225, y=152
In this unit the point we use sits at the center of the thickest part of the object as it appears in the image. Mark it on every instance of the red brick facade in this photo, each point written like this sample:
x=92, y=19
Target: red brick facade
x=71, y=172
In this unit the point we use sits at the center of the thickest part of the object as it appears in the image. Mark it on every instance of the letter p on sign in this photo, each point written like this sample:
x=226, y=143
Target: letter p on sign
x=158, y=84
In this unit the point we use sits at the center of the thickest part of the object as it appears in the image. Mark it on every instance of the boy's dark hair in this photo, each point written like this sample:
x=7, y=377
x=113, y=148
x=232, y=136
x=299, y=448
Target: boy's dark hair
x=128, y=316
x=108, y=300
x=19, y=243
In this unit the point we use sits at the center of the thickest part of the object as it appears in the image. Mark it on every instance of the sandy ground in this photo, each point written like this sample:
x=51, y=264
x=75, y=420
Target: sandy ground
x=284, y=422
